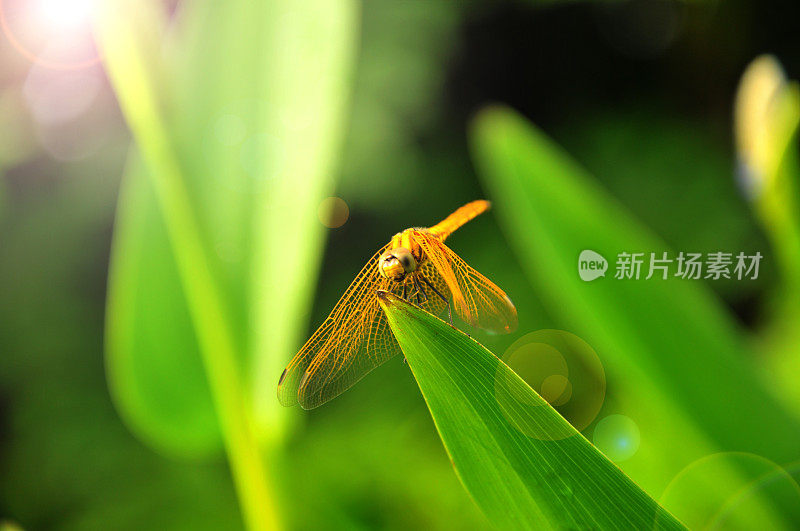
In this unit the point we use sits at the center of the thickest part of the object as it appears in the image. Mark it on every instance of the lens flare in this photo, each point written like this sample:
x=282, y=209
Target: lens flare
x=564, y=370
x=333, y=212
x=66, y=15
x=743, y=485
x=55, y=34
x=618, y=437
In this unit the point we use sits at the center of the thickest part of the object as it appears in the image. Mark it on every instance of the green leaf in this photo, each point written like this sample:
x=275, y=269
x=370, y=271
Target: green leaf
x=767, y=117
x=252, y=120
x=199, y=266
x=523, y=463
x=676, y=359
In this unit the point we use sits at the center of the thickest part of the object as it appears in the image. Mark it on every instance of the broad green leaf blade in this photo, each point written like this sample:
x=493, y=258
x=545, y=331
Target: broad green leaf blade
x=149, y=333
x=523, y=463
x=149, y=330
x=257, y=147
x=668, y=345
x=312, y=47
x=130, y=69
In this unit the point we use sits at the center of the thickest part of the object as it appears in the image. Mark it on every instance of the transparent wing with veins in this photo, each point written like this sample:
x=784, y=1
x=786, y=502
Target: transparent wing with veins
x=475, y=298
x=353, y=340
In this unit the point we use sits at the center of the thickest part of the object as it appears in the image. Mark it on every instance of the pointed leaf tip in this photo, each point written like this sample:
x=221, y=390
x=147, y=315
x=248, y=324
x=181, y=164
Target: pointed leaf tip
x=383, y=295
x=388, y=299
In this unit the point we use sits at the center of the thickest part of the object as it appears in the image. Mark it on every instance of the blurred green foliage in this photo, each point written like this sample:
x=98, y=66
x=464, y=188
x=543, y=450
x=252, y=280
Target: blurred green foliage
x=661, y=339
x=767, y=120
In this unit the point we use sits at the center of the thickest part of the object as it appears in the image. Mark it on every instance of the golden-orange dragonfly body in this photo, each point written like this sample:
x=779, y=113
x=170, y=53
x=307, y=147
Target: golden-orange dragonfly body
x=355, y=338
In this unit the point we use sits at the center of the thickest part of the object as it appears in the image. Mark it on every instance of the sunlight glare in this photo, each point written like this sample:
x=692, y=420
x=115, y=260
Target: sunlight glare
x=66, y=15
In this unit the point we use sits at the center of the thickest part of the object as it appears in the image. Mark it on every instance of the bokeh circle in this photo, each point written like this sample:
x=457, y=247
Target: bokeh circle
x=566, y=373
x=731, y=490
x=333, y=212
x=617, y=436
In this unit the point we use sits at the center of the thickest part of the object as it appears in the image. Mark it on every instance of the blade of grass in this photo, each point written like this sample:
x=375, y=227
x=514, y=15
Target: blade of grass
x=523, y=463
x=127, y=69
x=668, y=345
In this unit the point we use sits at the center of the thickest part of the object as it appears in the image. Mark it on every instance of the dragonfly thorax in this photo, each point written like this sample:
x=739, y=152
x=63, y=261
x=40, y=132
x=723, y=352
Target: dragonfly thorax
x=397, y=263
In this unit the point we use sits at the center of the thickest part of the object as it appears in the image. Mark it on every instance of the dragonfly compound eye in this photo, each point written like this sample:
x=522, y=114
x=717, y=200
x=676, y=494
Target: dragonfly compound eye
x=406, y=259
x=395, y=264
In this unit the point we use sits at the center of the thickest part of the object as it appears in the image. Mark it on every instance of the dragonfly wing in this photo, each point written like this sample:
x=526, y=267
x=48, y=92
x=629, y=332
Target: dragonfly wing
x=353, y=340
x=476, y=299
x=434, y=304
x=350, y=357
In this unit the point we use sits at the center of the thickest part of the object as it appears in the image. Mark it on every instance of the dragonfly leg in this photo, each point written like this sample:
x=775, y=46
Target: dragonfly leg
x=420, y=289
x=411, y=292
x=447, y=302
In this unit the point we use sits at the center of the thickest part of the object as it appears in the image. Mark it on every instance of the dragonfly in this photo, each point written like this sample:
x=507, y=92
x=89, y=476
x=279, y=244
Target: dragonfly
x=355, y=338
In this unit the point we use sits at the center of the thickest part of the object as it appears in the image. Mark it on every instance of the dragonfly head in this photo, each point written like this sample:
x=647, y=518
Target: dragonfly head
x=396, y=264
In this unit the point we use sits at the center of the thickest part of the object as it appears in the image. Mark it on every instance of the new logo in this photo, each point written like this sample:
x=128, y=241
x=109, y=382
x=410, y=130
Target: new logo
x=591, y=265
